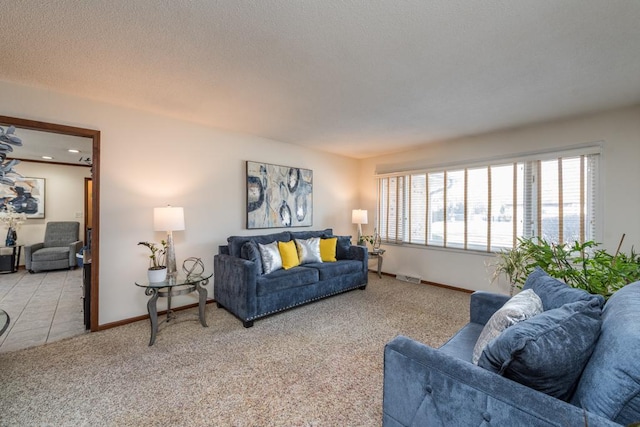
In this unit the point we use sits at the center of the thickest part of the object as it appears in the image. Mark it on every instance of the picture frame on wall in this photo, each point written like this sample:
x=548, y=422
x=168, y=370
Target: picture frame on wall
x=278, y=196
x=27, y=196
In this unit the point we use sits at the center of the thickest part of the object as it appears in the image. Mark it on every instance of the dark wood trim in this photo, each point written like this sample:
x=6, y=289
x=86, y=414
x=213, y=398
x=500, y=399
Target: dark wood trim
x=425, y=282
x=50, y=162
x=146, y=316
x=95, y=247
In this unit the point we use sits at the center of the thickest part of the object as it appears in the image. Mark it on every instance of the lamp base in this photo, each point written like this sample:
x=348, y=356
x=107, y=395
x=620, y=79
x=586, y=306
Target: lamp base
x=171, y=256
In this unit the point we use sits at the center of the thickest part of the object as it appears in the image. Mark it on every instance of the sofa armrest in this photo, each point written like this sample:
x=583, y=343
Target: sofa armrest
x=74, y=248
x=234, y=285
x=483, y=304
x=360, y=253
x=28, y=253
x=424, y=386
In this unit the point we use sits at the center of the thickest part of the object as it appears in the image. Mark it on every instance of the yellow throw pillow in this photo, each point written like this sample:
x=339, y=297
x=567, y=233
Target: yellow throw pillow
x=328, y=249
x=289, y=254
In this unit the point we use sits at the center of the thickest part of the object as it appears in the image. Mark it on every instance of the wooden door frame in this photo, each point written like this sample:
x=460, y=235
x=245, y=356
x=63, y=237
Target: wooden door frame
x=95, y=224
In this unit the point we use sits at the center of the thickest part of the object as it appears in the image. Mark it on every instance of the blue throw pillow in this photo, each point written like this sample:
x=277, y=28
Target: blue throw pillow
x=610, y=384
x=304, y=235
x=250, y=252
x=555, y=293
x=548, y=351
x=342, y=247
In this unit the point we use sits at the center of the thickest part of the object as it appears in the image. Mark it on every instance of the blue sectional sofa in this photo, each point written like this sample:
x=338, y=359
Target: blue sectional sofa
x=424, y=386
x=241, y=287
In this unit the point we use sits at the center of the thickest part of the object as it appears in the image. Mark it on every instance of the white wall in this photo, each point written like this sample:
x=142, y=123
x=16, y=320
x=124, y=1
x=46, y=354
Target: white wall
x=64, y=198
x=620, y=172
x=148, y=161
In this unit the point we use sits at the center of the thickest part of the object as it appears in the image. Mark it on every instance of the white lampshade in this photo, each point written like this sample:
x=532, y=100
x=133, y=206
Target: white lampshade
x=359, y=216
x=168, y=218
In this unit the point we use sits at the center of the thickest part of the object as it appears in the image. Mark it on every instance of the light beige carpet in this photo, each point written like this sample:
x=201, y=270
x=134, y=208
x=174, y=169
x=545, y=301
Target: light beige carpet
x=316, y=365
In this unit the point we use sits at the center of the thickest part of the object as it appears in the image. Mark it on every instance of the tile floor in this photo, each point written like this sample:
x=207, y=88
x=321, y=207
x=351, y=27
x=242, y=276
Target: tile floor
x=43, y=307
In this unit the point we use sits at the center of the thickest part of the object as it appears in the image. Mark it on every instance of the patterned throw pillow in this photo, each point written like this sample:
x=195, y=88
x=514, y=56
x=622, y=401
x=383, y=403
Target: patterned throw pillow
x=270, y=254
x=308, y=250
x=520, y=307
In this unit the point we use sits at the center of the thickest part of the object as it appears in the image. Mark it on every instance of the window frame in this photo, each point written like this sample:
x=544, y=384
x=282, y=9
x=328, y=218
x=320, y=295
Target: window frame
x=405, y=218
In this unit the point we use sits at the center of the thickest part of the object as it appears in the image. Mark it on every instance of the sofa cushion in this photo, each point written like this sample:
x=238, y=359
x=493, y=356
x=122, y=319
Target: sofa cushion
x=520, y=307
x=549, y=351
x=342, y=247
x=250, y=252
x=312, y=233
x=285, y=279
x=270, y=255
x=288, y=254
x=328, y=249
x=51, y=254
x=555, y=293
x=329, y=270
x=236, y=242
x=610, y=383
x=308, y=250
x=461, y=344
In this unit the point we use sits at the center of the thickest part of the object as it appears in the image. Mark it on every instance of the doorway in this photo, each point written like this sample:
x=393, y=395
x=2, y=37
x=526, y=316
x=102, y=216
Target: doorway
x=92, y=196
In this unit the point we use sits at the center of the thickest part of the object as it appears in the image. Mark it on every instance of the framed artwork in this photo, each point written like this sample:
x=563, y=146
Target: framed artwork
x=26, y=195
x=278, y=196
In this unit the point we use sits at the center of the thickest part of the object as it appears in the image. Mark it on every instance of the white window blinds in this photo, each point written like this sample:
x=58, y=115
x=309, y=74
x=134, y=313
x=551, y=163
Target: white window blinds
x=487, y=207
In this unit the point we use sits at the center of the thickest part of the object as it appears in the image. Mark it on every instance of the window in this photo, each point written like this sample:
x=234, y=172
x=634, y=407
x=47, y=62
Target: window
x=488, y=207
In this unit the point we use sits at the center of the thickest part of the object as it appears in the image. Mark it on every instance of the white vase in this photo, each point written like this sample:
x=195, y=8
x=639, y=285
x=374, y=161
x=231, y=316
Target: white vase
x=159, y=275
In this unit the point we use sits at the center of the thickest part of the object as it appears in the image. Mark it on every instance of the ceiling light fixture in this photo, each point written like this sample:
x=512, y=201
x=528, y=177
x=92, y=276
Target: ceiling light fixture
x=47, y=157
x=73, y=150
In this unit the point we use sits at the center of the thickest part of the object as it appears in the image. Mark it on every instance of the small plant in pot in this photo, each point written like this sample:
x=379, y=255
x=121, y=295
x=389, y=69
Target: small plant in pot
x=157, y=270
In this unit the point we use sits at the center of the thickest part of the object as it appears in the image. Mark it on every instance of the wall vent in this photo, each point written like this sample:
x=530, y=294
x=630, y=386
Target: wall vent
x=407, y=278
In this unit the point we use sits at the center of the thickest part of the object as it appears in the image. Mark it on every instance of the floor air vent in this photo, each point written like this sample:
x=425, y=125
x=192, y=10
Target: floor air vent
x=406, y=278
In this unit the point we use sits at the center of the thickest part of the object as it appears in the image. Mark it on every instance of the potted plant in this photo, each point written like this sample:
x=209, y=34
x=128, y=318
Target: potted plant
x=12, y=220
x=157, y=269
x=580, y=265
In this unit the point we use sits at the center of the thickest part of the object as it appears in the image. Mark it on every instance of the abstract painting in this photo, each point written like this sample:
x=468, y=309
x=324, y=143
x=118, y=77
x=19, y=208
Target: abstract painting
x=278, y=196
x=26, y=195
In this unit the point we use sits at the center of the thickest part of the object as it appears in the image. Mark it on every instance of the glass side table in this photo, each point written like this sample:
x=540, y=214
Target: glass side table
x=4, y=321
x=378, y=253
x=171, y=287
x=9, y=258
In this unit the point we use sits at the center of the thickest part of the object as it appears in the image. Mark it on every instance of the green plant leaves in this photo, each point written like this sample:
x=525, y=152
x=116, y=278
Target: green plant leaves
x=580, y=265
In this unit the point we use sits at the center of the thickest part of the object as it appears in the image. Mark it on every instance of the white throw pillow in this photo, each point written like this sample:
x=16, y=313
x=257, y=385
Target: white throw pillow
x=309, y=250
x=520, y=307
x=270, y=255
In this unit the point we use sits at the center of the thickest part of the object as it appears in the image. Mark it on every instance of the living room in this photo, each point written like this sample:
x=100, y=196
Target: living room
x=166, y=141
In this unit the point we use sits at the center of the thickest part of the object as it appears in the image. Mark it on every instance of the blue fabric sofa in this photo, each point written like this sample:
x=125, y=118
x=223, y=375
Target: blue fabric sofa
x=241, y=287
x=442, y=387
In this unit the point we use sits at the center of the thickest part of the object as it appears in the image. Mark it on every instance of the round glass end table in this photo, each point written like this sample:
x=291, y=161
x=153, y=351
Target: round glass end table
x=4, y=321
x=171, y=287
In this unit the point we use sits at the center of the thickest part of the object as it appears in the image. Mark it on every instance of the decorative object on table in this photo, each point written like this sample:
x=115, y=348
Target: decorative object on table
x=169, y=219
x=157, y=270
x=192, y=267
x=359, y=216
x=278, y=196
x=374, y=240
x=12, y=220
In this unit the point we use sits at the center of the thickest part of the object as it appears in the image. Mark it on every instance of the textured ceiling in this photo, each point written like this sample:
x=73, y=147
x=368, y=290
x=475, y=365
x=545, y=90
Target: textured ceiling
x=357, y=78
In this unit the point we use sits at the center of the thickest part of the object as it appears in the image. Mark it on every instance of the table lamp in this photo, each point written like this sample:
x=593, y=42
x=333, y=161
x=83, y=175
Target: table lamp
x=169, y=219
x=359, y=216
